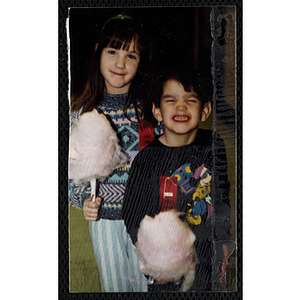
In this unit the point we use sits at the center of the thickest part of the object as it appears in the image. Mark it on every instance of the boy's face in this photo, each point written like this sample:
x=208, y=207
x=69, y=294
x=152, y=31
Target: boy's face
x=180, y=110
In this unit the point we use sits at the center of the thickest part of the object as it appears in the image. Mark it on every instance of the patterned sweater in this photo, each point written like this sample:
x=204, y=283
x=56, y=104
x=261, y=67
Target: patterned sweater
x=112, y=189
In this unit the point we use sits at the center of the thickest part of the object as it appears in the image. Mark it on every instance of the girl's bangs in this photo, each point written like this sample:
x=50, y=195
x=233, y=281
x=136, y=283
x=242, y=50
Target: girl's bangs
x=119, y=41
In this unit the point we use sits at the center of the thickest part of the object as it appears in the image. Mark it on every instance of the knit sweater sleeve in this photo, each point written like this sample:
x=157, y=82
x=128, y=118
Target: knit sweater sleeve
x=78, y=193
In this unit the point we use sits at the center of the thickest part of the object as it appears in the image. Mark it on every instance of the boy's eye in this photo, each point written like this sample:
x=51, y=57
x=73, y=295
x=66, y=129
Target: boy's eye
x=169, y=100
x=192, y=100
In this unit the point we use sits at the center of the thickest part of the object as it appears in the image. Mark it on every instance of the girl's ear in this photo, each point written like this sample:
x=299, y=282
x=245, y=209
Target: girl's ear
x=206, y=111
x=96, y=47
x=156, y=113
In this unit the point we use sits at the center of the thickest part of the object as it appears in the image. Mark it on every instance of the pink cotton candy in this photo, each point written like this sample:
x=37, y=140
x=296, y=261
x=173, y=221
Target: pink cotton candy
x=165, y=246
x=94, y=150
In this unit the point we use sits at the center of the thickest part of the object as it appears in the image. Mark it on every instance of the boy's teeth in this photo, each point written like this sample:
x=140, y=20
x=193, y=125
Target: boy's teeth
x=180, y=118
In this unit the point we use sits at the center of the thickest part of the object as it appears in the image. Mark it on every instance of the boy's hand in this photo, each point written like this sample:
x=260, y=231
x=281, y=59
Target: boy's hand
x=90, y=209
x=225, y=262
x=161, y=282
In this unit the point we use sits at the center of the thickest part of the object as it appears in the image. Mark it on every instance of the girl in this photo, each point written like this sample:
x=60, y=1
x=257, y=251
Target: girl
x=118, y=83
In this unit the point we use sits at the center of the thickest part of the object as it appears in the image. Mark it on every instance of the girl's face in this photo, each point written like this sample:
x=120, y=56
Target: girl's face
x=118, y=68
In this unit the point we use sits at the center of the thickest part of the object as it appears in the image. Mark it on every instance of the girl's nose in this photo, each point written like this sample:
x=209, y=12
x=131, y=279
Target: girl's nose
x=120, y=63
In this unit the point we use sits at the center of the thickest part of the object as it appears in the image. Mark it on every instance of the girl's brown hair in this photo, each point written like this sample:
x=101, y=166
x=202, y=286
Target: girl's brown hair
x=118, y=34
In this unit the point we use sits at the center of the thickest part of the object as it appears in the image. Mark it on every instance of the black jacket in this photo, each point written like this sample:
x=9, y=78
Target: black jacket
x=207, y=215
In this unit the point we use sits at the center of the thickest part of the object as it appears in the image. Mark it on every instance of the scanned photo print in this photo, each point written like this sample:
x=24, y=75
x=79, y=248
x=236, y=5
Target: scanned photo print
x=153, y=160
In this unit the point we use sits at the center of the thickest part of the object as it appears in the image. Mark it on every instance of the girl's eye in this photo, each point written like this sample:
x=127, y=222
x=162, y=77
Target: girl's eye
x=111, y=52
x=131, y=56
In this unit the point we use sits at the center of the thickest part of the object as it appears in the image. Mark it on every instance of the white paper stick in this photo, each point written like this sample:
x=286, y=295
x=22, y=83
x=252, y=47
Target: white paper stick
x=93, y=190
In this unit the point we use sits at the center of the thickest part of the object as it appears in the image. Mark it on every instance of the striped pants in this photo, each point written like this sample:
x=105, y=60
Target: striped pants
x=115, y=256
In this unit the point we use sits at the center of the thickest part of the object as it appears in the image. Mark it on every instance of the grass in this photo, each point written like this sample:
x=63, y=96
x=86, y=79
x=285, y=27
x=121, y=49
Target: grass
x=83, y=268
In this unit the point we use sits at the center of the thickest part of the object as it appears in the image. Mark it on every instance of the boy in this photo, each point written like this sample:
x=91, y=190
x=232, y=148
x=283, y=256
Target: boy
x=196, y=159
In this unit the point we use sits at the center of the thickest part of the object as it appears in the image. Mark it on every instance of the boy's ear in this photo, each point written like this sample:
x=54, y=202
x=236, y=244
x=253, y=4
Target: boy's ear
x=156, y=113
x=206, y=111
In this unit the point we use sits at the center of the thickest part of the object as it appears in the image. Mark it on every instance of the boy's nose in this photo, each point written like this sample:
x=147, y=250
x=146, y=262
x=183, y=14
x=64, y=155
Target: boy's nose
x=181, y=106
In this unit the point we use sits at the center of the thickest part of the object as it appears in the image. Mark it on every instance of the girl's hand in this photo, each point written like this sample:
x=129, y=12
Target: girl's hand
x=90, y=209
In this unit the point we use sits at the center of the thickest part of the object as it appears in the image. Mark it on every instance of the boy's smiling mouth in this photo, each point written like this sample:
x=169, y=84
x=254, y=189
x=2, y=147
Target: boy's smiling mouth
x=181, y=118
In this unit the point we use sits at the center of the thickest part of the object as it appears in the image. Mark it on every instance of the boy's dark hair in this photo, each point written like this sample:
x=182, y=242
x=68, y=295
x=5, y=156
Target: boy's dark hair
x=190, y=80
x=193, y=79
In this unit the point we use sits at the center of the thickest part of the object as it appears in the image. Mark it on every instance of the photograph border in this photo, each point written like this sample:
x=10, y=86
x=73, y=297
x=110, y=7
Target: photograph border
x=63, y=151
